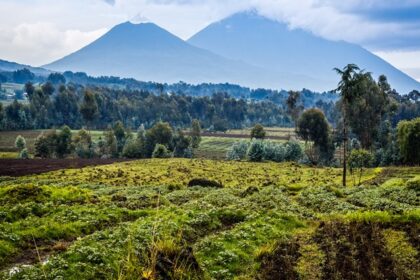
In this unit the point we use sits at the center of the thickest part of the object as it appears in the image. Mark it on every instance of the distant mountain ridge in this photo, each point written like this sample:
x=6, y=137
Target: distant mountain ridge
x=149, y=53
x=245, y=49
x=269, y=44
x=9, y=66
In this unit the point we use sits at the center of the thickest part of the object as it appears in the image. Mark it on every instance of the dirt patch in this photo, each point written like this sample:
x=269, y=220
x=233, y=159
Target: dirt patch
x=355, y=250
x=20, y=167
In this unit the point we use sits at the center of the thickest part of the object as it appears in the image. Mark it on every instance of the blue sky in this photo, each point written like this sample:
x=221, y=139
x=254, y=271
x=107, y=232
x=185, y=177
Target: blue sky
x=39, y=31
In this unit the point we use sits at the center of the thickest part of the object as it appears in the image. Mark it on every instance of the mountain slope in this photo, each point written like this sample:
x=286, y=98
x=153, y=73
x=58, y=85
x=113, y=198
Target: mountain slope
x=272, y=45
x=13, y=66
x=149, y=53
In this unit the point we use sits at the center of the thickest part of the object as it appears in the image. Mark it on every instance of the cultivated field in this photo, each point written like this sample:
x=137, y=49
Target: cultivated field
x=204, y=219
x=212, y=146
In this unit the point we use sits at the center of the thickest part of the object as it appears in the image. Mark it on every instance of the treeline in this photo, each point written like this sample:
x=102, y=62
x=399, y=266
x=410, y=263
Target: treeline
x=160, y=141
x=366, y=117
x=51, y=105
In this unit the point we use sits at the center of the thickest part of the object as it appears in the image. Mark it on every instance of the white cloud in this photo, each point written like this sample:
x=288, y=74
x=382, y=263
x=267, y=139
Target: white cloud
x=42, y=42
x=38, y=31
x=407, y=61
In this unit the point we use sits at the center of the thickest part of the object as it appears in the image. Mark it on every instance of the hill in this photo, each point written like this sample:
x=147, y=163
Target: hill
x=9, y=66
x=272, y=45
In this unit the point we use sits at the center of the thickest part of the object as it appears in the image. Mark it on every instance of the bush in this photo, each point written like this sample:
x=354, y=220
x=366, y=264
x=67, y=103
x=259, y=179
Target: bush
x=258, y=132
x=256, y=151
x=83, y=145
x=24, y=154
x=133, y=149
x=20, y=143
x=274, y=152
x=237, y=151
x=160, y=151
x=293, y=151
x=45, y=145
x=360, y=159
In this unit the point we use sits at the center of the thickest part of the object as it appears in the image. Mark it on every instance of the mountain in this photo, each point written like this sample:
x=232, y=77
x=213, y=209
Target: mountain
x=13, y=66
x=149, y=53
x=269, y=44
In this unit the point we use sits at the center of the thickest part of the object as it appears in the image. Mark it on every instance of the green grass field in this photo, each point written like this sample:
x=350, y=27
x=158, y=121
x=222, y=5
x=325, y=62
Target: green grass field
x=145, y=220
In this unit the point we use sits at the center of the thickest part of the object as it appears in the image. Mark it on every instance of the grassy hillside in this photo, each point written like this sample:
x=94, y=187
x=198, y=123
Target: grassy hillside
x=148, y=220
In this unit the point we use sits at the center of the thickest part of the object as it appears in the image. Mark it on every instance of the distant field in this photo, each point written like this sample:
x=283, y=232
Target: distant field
x=7, y=139
x=286, y=132
x=213, y=145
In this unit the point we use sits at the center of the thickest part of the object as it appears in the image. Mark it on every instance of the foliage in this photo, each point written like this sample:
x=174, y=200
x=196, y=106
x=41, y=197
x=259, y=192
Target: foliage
x=160, y=151
x=139, y=218
x=160, y=133
x=89, y=107
x=256, y=150
x=195, y=134
x=20, y=143
x=24, y=154
x=83, y=144
x=408, y=140
x=133, y=148
x=238, y=151
x=258, y=132
x=358, y=160
x=313, y=127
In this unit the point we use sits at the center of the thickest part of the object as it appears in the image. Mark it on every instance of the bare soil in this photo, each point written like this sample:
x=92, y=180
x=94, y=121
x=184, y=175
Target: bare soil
x=22, y=167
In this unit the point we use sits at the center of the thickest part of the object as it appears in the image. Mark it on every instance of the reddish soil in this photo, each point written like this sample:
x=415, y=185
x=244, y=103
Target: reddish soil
x=21, y=167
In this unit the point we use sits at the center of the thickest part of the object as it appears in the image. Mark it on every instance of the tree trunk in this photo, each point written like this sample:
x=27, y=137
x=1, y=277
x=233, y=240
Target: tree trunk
x=345, y=149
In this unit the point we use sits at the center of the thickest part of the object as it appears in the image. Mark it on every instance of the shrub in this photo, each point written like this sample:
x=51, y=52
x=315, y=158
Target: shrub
x=237, y=151
x=24, y=154
x=20, y=143
x=258, y=132
x=274, y=152
x=45, y=145
x=133, y=149
x=293, y=151
x=358, y=160
x=83, y=145
x=63, y=145
x=160, y=151
x=256, y=151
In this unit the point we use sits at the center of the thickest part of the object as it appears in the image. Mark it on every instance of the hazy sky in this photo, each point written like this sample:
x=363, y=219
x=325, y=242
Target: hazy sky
x=39, y=31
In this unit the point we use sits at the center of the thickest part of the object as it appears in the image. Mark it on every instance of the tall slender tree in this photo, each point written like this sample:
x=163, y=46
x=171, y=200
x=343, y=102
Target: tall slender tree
x=89, y=107
x=347, y=93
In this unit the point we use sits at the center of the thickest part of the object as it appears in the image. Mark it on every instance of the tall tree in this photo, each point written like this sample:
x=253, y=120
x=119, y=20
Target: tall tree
x=346, y=89
x=89, y=108
x=195, y=133
x=293, y=108
x=312, y=126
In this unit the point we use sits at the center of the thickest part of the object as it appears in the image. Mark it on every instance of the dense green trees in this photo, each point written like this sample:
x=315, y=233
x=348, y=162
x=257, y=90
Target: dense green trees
x=97, y=108
x=409, y=141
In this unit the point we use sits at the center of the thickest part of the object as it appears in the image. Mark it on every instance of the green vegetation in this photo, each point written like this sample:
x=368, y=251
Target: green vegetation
x=203, y=219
